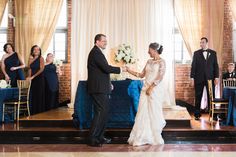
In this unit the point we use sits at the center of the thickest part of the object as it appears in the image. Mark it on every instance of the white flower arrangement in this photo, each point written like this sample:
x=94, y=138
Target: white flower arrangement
x=116, y=77
x=57, y=62
x=4, y=84
x=125, y=54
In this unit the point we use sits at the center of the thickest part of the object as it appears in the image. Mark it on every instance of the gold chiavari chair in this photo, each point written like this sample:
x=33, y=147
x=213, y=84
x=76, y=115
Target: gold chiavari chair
x=222, y=104
x=23, y=99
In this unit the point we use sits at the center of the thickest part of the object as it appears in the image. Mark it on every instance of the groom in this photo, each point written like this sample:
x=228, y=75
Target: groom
x=99, y=88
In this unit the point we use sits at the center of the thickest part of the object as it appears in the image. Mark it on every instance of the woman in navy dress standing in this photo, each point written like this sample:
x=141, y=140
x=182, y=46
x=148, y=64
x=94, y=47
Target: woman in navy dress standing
x=36, y=63
x=12, y=65
x=51, y=83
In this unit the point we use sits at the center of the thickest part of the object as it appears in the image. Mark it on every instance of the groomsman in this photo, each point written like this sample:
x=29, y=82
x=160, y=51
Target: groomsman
x=204, y=67
x=230, y=74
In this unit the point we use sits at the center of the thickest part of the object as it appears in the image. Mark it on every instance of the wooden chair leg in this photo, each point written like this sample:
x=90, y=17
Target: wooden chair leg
x=212, y=113
x=209, y=117
x=18, y=112
x=3, y=112
x=28, y=109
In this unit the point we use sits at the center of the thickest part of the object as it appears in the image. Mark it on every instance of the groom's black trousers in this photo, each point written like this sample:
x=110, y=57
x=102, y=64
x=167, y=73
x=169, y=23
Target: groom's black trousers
x=101, y=112
x=198, y=95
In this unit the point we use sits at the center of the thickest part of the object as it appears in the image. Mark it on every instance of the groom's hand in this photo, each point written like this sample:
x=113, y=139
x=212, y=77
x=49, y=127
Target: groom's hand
x=216, y=81
x=192, y=82
x=112, y=87
x=123, y=69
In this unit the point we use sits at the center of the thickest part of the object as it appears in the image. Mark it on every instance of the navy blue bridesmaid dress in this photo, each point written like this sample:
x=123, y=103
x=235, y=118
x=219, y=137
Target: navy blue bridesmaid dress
x=37, y=89
x=13, y=61
x=51, y=86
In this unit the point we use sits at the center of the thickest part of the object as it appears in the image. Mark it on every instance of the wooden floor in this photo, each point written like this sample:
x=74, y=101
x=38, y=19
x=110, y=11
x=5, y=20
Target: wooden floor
x=121, y=148
x=65, y=113
x=56, y=127
x=62, y=113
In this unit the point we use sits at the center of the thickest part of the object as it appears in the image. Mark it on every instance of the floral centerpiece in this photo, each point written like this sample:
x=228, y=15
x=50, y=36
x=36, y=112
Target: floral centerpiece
x=4, y=84
x=125, y=54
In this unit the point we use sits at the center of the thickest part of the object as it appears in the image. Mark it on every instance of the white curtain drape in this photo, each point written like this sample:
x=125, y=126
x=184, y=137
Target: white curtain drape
x=3, y=4
x=232, y=4
x=135, y=22
x=35, y=24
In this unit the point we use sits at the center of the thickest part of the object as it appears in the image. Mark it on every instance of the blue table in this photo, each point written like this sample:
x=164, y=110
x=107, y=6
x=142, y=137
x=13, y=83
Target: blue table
x=6, y=94
x=123, y=104
x=230, y=94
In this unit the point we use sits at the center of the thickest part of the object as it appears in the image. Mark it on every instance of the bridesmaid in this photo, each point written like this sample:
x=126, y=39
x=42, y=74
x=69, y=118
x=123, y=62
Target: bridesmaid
x=51, y=83
x=12, y=65
x=36, y=64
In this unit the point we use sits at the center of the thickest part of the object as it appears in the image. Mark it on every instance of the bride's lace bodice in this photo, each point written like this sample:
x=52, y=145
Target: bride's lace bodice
x=154, y=71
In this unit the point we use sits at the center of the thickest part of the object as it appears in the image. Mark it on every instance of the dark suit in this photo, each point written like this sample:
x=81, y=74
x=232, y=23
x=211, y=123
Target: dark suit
x=202, y=70
x=99, y=87
x=229, y=75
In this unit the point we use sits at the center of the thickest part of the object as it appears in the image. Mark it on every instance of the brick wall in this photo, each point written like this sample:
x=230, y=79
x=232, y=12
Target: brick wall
x=184, y=91
x=64, y=79
x=11, y=28
x=227, y=55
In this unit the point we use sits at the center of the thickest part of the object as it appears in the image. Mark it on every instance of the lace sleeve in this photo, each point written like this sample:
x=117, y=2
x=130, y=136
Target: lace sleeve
x=161, y=72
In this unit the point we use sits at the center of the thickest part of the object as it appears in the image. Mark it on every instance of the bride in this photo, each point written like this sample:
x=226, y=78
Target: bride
x=149, y=120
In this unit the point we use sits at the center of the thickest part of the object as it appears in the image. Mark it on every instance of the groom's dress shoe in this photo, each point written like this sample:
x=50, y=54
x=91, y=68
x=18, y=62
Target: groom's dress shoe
x=105, y=140
x=94, y=143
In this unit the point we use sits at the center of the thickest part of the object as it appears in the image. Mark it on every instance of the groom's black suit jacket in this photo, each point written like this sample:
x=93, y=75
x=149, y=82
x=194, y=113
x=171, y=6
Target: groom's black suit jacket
x=99, y=72
x=204, y=69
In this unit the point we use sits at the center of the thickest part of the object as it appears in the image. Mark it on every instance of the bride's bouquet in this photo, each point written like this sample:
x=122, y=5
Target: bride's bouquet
x=58, y=64
x=125, y=54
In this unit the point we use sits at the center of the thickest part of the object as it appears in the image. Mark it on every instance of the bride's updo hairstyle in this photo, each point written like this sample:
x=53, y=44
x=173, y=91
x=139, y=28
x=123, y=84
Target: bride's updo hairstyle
x=156, y=46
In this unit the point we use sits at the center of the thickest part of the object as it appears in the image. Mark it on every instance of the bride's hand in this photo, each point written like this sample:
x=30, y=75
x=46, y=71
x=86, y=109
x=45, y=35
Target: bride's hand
x=149, y=90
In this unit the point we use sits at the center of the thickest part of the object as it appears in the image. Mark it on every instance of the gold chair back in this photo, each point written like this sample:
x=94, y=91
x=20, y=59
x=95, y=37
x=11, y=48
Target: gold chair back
x=229, y=83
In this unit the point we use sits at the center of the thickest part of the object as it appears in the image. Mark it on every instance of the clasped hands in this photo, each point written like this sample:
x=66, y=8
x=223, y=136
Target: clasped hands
x=124, y=69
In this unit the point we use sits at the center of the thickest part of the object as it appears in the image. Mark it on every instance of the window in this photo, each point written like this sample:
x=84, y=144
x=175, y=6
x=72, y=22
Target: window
x=234, y=41
x=58, y=44
x=181, y=52
x=3, y=31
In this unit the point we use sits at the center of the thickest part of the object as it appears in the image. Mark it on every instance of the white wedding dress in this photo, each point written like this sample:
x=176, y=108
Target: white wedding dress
x=149, y=120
